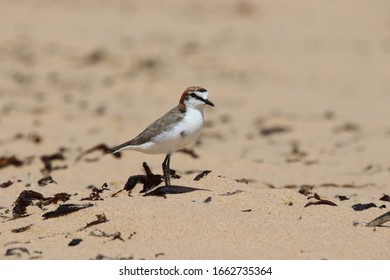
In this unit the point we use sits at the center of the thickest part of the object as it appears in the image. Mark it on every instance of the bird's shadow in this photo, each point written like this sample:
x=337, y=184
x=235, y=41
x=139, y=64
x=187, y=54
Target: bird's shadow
x=150, y=181
x=172, y=189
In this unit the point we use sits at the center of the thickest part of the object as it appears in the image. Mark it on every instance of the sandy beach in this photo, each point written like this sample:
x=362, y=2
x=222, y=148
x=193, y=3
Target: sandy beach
x=297, y=145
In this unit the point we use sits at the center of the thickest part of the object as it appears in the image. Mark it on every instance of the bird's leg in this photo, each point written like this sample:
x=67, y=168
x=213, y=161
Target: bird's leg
x=166, y=170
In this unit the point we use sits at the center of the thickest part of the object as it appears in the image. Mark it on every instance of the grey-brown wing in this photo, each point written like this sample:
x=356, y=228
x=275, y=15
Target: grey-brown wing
x=158, y=126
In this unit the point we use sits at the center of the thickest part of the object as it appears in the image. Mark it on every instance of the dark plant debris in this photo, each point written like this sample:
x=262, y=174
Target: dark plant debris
x=95, y=194
x=347, y=186
x=100, y=233
x=208, y=199
x=269, y=185
x=101, y=218
x=46, y=180
x=245, y=181
x=6, y=184
x=247, y=210
x=131, y=235
x=11, y=160
x=319, y=201
x=26, y=198
x=21, y=229
x=33, y=137
x=361, y=207
x=347, y=127
x=201, y=175
x=231, y=193
x=385, y=197
x=65, y=209
x=151, y=180
x=133, y=181
x=306, y=189
x=95, y=57
x=159, y=254
x=372, y=169
x=18, y=251
x=100, y=147
x=75, y=242
x=276, y=129
x=56, y=198
x=103, y=257
x=296, y=154
x=48, y=162
x=342, y=197
x=173, y=174
x=189, y=152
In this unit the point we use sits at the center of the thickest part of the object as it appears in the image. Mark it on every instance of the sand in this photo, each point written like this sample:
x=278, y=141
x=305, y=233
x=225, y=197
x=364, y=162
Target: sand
x=301, y=92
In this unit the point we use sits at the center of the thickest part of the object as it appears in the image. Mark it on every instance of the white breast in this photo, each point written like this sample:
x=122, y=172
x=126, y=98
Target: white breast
x=183, y=133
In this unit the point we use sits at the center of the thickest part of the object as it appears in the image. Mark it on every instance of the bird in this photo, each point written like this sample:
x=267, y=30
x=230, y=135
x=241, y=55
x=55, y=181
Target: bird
x=176, y=129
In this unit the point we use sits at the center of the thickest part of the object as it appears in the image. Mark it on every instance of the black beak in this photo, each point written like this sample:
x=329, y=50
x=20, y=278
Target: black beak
x=208, y=102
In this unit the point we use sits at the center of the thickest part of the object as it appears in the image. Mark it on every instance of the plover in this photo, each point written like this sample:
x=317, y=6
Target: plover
x=174, y=130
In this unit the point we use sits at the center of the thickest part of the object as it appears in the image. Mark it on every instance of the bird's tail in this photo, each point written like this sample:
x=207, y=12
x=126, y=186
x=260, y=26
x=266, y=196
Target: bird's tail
x=113, y=150
x=119, y=148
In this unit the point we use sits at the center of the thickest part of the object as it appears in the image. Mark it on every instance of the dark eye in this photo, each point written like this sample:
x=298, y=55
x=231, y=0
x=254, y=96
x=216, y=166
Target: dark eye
x=193, y=95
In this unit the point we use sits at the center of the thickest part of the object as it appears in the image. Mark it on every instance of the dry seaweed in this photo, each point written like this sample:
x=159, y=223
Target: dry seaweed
x=151, y=180
x=100, y=147
x=100, y=233
x=56, y=198
x=246, y=210
x=117, y=235
x=361, y=207
x=173, y=174
x=385, y=197
x=46, y=180
x=95, y=194
x=48, y=162
x=296, y=154
x=65, y=209
x=33, y=137
x=276, y=129
x=103, y=257
x=245, y=181
x=25, y=199
x=21, y=229
x=75, y=242
x=18, y=251
x=101, y=218
x=342, y=197
x=347, y=186
x=269, y=185
x=319, y=201
x=131, y=234
x=6, y=184
x=133, y=181
x=11, y=160
x=231, y=193
x=347, y=127
x=306, y=189
x=322, y=201
x=201, y=175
